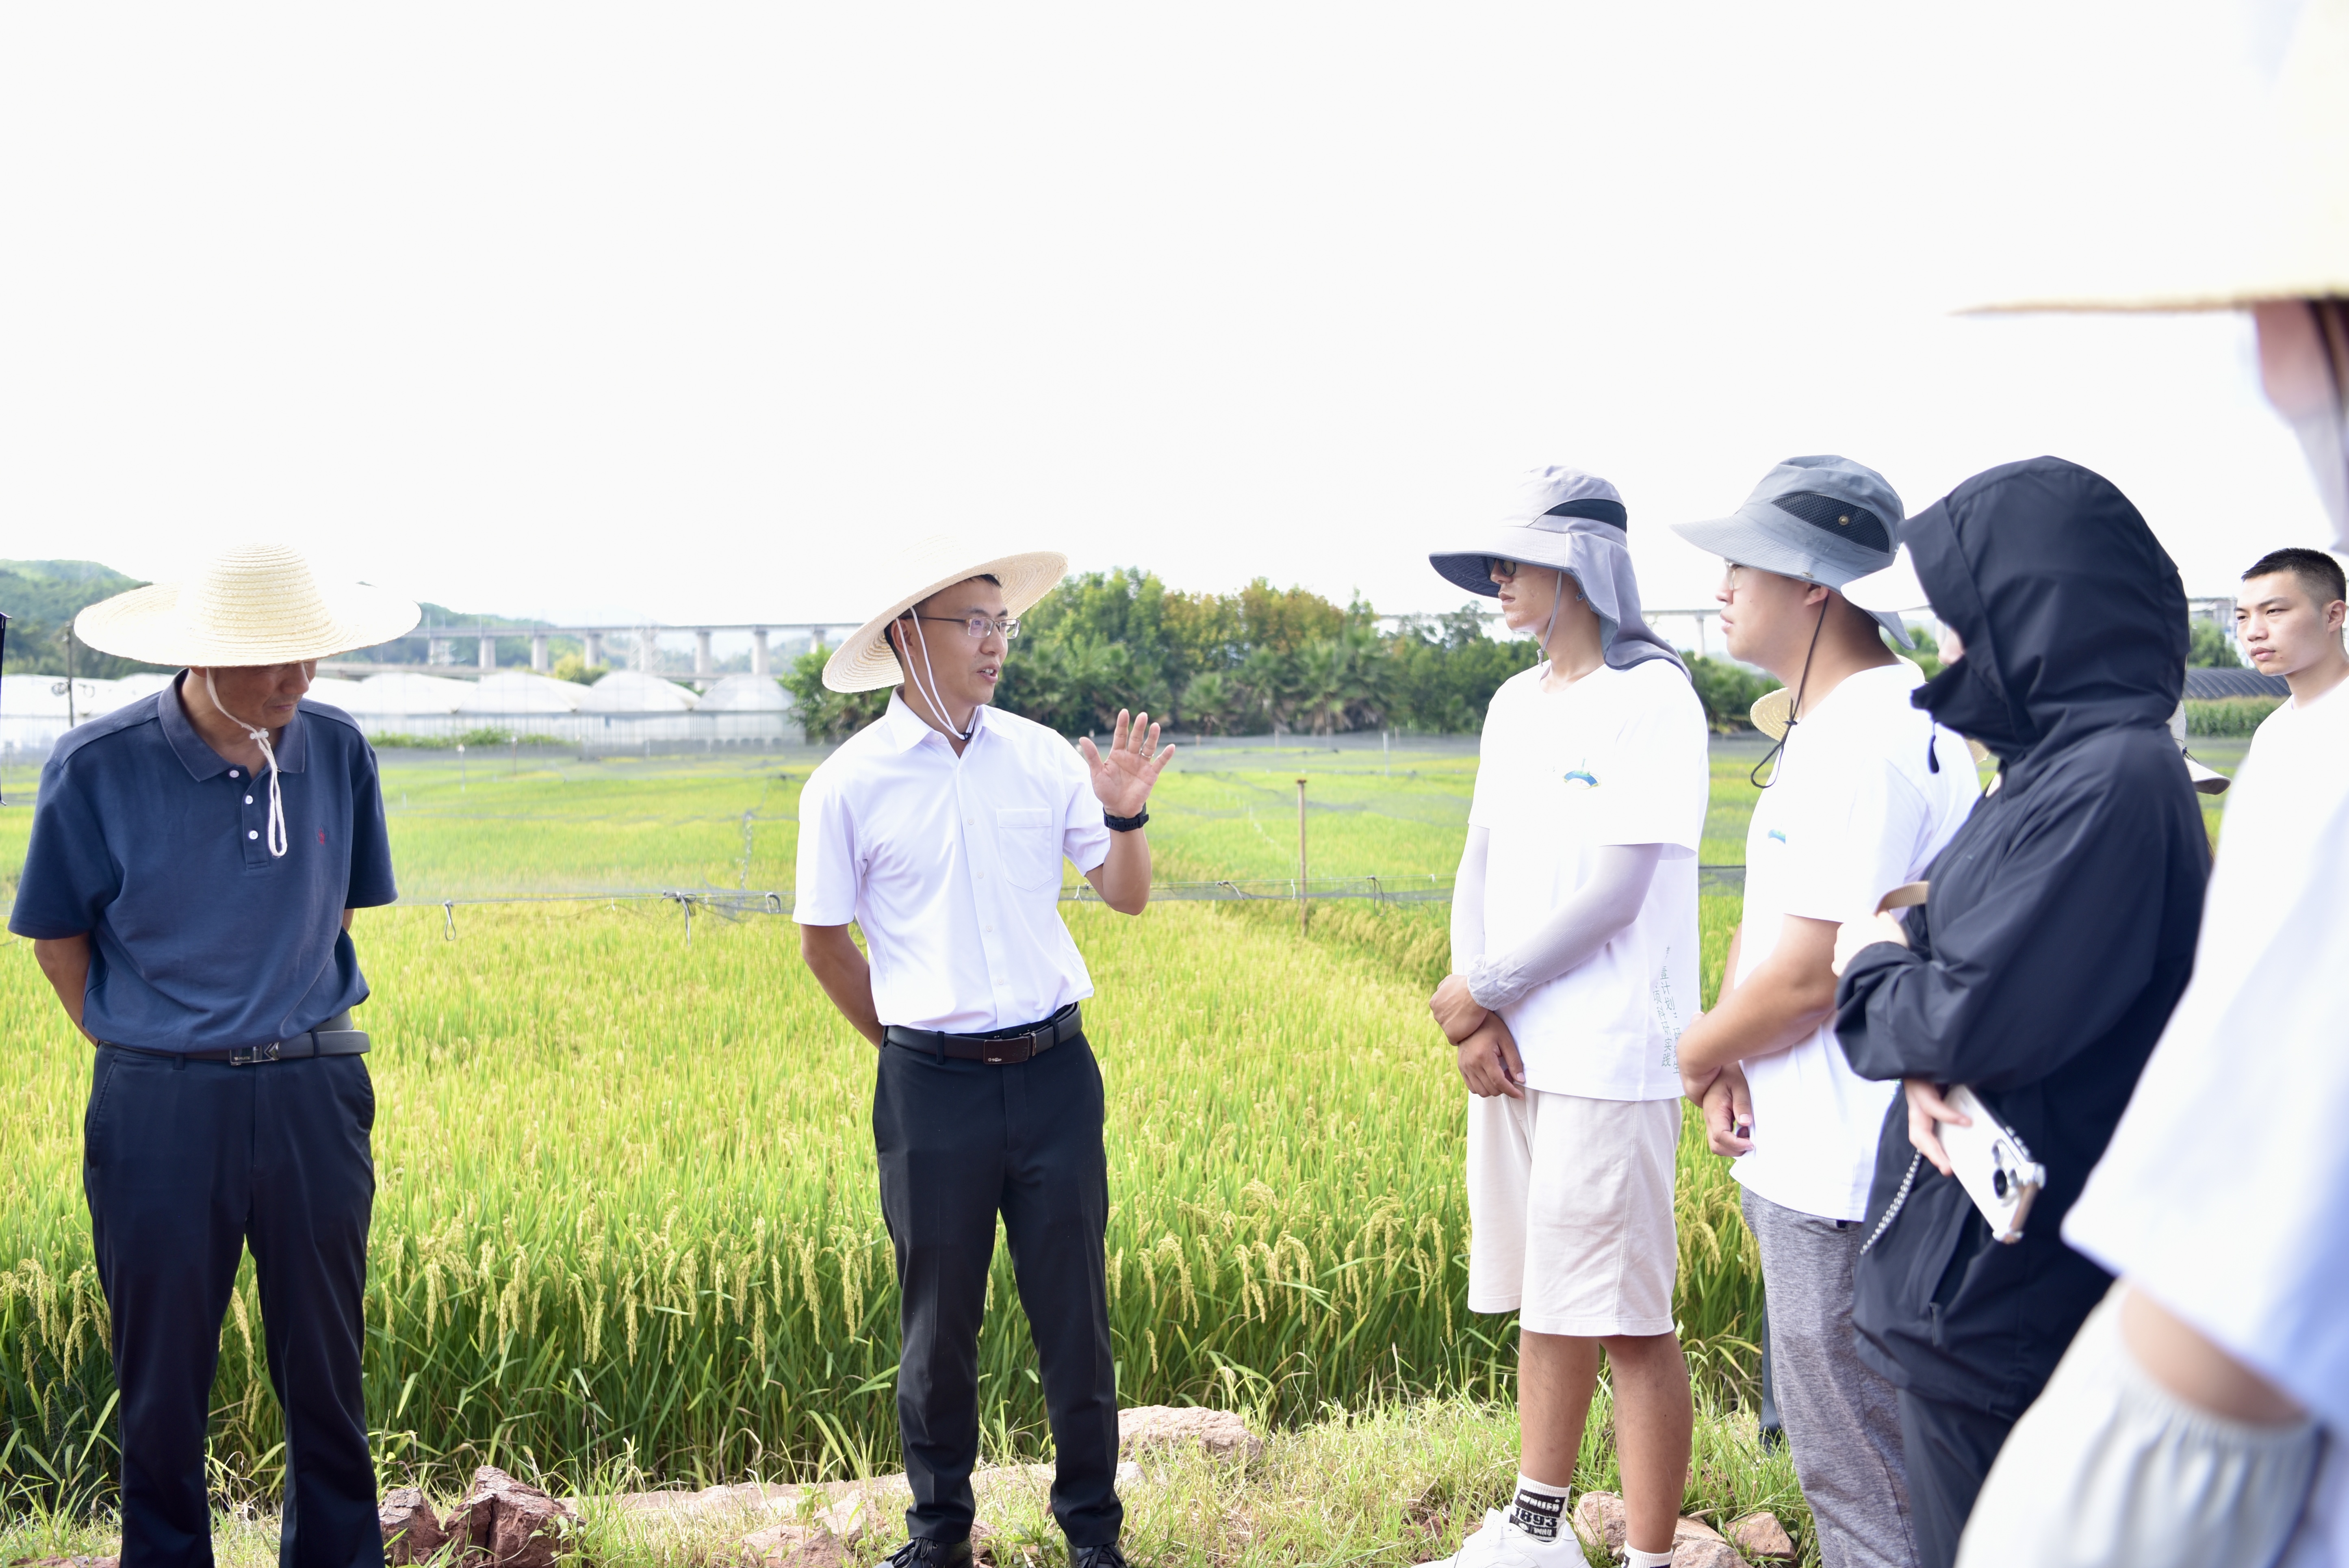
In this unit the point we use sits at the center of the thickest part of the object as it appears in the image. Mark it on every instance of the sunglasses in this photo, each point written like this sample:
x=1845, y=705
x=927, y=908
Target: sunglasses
x=1507, y=571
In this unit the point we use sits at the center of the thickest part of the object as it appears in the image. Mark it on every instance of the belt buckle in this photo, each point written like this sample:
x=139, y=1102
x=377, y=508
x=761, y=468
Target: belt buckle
x=998, y=1053
x=246, y=1055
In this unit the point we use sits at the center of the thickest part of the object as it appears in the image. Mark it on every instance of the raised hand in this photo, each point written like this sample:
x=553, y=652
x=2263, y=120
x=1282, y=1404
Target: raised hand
x=1123, y=775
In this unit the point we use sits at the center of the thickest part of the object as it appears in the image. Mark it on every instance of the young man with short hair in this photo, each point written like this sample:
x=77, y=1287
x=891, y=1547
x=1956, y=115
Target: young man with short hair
x=940, y=830
x=1574, y=946
x=2289, y=619
x=1861, y=795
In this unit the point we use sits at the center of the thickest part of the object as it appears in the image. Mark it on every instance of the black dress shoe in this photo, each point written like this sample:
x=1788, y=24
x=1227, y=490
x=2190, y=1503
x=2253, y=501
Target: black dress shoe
x=1097, y=1557
x=920, y=1554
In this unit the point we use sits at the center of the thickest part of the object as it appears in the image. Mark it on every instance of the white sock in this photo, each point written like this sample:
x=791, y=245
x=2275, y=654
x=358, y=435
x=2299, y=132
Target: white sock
x=1635, y=1558
x=1540, y=1508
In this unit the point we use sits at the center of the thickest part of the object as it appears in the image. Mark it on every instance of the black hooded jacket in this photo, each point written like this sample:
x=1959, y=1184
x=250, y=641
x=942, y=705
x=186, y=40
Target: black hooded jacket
x=2060, y=929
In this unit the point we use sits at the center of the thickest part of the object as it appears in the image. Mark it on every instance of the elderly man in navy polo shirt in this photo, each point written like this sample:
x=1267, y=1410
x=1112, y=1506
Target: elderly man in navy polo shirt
x=195, y=859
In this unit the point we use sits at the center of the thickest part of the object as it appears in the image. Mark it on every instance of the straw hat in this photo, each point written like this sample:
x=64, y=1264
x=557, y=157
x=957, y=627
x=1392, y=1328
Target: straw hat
x=248, y=605
x=863, y=662
x=2294, y=244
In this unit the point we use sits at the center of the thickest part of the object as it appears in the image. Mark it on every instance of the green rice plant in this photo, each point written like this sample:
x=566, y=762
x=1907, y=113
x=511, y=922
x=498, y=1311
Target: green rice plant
x=2228, y=716
x=626, y=1201
x=626, y=1211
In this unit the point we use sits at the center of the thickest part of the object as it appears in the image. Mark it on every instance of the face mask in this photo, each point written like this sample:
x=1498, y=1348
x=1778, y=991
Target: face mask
x=2304, y=366
x=2325, y=438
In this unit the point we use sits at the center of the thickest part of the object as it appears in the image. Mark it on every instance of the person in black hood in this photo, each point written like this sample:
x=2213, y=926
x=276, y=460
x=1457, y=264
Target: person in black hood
x=2058, y=933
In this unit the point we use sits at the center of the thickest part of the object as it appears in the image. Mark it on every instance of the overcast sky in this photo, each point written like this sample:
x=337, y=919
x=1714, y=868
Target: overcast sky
x=690, y=311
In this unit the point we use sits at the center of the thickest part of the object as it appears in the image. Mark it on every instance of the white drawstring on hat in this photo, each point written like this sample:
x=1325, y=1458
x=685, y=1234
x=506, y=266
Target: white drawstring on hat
x=930, y=691
x=268, y=755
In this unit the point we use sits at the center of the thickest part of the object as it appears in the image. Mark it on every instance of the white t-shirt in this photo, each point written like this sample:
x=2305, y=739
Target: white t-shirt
x=1617, y=758
x=2225, y=1191
x=951, y=866
x=1852, y=813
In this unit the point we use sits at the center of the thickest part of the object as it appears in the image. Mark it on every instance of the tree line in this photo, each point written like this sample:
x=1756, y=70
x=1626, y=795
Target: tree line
x=1243, y=664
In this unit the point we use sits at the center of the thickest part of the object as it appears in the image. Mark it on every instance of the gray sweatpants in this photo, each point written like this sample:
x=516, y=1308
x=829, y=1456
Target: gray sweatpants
x=1843, y=1419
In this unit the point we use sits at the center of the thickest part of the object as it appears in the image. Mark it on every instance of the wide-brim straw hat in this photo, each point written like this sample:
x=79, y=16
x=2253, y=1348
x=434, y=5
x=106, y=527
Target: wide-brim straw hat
x=247, y=605
x=2282, y=233
x=863, y=661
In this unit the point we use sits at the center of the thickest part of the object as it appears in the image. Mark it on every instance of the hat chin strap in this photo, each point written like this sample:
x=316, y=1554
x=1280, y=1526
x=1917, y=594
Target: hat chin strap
x=930, y=691
x=269, y=755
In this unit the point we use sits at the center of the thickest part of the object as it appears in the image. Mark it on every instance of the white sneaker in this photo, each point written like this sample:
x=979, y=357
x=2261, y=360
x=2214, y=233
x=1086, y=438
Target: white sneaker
x=1501, y=1544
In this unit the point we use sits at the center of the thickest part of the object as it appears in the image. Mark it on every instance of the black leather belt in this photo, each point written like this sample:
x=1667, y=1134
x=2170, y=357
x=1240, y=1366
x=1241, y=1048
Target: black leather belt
x=998, y=1047
x=334, y=1037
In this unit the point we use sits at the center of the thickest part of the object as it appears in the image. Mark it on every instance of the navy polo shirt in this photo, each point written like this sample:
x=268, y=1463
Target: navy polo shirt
x=158, y=845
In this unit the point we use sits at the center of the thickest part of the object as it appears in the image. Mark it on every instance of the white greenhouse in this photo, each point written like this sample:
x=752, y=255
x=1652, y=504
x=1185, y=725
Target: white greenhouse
x=626, y=710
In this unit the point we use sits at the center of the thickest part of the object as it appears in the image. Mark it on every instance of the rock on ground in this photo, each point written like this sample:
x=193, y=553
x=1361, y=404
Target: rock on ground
x=1219, y=1432
x=748, y=1498
x=504, y=1523
x=411, y=1532
x=1760, y=1535
x=1598, y=1519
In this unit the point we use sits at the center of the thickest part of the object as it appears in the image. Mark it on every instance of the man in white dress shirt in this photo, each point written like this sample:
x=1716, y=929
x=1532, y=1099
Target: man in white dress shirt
x=940, y=830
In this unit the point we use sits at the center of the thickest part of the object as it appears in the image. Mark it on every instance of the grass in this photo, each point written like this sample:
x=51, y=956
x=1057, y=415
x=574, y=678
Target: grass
x=1398, y=1482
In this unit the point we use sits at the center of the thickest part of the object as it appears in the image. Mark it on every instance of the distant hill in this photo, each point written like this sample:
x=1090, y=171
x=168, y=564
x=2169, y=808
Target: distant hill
x=40, y=599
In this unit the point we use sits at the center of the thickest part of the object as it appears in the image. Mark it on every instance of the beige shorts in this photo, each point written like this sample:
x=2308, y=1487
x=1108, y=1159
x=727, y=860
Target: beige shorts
x=1571, y=1204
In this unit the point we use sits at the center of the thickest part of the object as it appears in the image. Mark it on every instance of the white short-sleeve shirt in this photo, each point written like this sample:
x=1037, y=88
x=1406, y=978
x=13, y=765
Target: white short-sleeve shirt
x=1854, y=810
x=951, y=866
x=1617, y=758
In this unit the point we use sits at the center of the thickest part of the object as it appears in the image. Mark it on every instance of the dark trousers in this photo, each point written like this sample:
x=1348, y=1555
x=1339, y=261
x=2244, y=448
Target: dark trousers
x=185, y=1164
x=959, y=1142
x=1948, y=1449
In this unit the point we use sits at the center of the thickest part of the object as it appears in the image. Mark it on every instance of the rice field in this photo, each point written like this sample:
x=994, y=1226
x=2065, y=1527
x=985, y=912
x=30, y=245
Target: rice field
x=626, y=1210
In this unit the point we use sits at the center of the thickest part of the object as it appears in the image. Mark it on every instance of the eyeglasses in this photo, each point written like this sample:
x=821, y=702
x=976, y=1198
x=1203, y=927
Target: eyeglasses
x=978, y=625
x=1507, y=571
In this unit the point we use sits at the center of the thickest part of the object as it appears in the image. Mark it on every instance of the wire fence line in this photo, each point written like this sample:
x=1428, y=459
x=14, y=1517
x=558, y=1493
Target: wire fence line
x=734, y=903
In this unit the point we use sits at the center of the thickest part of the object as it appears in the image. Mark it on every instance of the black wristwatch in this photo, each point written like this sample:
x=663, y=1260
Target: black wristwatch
x=1126, y=824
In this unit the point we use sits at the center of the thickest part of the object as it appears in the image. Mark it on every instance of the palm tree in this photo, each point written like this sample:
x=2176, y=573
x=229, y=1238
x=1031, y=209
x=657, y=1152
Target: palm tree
x=1269, y=679
x=1206, y=698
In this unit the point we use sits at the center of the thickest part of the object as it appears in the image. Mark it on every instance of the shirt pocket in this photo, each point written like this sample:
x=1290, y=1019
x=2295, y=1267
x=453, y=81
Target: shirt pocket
x=1027, y=843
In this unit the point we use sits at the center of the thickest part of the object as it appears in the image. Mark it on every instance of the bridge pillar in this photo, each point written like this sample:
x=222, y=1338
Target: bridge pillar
x=595, y=650
x=538, y=652
x=488, y=653
x=701, y=651
x=759, y=652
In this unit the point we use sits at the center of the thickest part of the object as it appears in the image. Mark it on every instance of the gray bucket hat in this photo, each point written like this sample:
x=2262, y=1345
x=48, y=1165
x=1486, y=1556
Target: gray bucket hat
x=1823, y=519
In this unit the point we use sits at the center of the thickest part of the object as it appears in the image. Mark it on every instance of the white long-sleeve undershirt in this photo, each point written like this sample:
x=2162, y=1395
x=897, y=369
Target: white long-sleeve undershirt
x=1607, y=901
